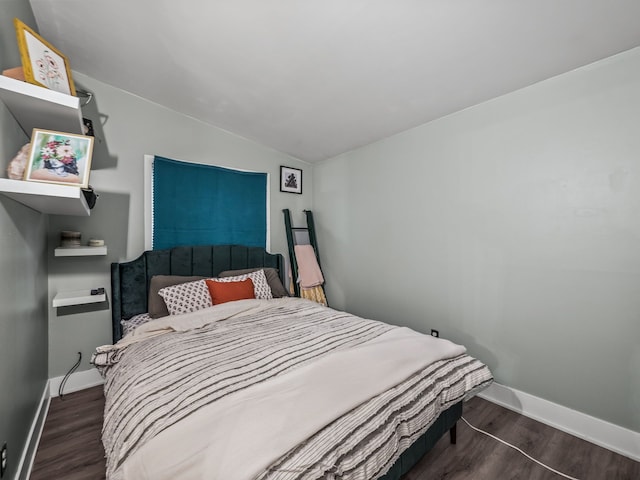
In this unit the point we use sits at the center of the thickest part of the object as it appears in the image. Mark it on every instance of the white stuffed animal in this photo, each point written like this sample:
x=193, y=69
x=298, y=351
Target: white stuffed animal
x=16, y=167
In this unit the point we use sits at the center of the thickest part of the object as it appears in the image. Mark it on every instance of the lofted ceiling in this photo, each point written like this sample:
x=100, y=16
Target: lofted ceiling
x=314, y=79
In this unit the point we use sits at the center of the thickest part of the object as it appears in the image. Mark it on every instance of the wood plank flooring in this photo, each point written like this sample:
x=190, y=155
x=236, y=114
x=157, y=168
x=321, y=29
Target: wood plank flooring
x=476, y=456
x=70, y=447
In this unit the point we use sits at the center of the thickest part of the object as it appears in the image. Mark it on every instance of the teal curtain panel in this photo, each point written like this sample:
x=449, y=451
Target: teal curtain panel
x=196, y=204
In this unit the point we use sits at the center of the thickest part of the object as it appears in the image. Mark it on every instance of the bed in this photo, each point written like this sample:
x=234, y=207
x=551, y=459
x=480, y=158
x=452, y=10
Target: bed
x=339, y=405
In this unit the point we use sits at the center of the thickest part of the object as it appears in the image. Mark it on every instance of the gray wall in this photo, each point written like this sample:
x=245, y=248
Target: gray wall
x=513, y=227
x=127, y=128
x=23, y=277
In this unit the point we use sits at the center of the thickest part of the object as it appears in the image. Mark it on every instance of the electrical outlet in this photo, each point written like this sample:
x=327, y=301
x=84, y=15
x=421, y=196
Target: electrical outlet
x=3, y=458
x=435, y=333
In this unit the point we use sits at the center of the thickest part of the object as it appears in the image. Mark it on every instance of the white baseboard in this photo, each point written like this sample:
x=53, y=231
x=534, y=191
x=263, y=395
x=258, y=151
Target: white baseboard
x=608, y=435
x=605, y=434
x=25, y=465
x=76, y=381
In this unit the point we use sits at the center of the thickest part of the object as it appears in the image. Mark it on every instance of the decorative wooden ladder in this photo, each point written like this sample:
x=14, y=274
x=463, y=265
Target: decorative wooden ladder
x=300, y=236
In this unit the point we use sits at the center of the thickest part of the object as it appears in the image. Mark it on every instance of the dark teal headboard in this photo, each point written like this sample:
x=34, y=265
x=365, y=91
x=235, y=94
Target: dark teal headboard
x=130, y=280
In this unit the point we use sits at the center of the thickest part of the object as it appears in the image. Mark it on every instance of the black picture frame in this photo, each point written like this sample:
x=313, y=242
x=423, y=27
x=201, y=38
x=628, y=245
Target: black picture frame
x=290, y=180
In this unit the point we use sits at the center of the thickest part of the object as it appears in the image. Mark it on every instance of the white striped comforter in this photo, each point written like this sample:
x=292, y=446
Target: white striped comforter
x=252, y=376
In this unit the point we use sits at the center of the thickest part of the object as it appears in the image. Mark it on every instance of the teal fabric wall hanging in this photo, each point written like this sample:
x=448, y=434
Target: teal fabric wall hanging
x=196, y=204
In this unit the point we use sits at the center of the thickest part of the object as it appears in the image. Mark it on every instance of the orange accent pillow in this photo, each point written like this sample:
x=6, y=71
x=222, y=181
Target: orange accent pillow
x=222, y=292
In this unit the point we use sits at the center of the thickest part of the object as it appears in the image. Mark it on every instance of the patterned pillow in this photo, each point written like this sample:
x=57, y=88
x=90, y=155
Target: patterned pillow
x=156, y=306
x=273, y=279
x=186, y=297
x=134, y=322
x=261, y=288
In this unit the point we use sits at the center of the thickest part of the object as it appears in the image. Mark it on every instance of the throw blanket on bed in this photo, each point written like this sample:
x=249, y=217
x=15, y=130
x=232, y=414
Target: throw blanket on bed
x=187, y=403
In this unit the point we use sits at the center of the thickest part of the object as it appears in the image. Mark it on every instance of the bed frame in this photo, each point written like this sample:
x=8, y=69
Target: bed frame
x=130, y=291
x=130, y=280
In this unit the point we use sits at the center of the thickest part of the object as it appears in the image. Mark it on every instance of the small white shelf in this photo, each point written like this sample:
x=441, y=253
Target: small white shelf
x=82, y=251
x=38, y=107
x=46, y=197
x=77, y=297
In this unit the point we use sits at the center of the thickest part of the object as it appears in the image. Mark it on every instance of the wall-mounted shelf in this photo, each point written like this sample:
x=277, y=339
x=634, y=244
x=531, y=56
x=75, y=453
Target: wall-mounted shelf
x=46, y=197
x=80, y=251
x=38, y=107
x=77, y=297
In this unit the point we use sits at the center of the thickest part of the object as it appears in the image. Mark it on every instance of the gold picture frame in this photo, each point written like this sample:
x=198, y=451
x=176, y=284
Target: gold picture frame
x=43, y=64
x=59, y=157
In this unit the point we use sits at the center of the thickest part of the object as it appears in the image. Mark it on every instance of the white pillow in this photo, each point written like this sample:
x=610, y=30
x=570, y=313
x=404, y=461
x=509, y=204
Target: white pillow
x=186, y=297
x=261, y=288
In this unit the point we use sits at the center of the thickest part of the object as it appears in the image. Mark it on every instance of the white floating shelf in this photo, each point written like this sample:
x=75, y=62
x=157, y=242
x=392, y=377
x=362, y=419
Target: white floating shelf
x=38, y=107
x=46, y=197
x=82, y=251
x=77, y=297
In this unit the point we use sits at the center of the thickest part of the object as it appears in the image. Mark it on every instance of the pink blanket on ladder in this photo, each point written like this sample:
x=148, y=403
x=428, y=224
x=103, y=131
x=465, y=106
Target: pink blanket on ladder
x=309, y=273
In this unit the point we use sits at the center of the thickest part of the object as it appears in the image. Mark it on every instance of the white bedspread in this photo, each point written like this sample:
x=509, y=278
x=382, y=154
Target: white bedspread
x=271, y=418
x=244, y=432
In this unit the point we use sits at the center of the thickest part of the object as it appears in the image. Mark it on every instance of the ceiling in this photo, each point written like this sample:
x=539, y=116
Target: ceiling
x=314, y=79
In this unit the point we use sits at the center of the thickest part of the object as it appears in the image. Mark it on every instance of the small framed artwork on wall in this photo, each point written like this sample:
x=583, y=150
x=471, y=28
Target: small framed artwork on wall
x=58, y=157
x=290, y=180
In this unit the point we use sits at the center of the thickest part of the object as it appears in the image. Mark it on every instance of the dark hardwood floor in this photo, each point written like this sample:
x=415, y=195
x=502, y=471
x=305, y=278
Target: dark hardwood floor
x=70, y=447
x=479, y=457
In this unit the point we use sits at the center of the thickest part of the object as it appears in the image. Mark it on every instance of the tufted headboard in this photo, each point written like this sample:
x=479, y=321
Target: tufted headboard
x=130, y=280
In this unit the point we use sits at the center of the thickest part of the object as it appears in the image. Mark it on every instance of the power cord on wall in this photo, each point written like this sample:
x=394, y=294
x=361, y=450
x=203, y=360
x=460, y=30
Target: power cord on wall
x=66, y=377
x=518, y=450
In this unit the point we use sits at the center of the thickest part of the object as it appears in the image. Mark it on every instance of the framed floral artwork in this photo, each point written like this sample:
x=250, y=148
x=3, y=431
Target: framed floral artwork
x=42, y=63
x=290, y=180
x=58, y=157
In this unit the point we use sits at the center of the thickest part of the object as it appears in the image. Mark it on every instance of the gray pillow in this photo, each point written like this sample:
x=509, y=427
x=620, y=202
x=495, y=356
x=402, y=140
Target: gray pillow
x=273, y=279
x=156, y=306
